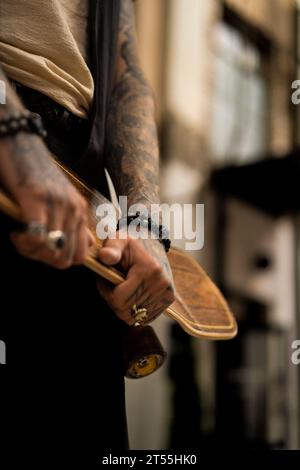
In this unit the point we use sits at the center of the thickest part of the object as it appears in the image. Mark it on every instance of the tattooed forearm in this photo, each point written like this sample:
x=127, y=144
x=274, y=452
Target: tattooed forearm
x=28, y=156
x=133, y=156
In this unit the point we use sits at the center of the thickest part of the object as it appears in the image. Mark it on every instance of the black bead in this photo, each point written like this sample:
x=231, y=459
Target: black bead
x=24, y=121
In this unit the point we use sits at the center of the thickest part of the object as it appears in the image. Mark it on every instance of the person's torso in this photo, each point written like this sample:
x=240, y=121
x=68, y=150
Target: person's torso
x=44, y=44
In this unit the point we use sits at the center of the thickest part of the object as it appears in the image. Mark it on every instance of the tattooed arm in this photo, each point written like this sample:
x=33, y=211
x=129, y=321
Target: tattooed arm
x=133, y=164
x=133, y=156
x=43, y=193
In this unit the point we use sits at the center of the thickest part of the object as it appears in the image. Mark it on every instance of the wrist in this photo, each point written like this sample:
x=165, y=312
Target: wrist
x=146, y=226
x=12, y=105
x=8, y=143
x=21, y=121
x=143, y=204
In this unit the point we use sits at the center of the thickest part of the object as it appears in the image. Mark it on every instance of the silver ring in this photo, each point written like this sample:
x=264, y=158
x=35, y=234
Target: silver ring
x=55, y=240
x=36, y=229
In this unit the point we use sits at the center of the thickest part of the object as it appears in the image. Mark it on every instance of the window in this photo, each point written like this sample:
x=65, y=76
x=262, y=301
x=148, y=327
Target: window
x=239, y=125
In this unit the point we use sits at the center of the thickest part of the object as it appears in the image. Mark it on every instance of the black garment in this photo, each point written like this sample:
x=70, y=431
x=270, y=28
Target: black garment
x=64, y=357
x=103, y=33
x=63, y=394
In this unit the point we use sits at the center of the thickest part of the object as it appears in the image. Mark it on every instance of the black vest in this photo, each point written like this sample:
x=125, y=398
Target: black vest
x=103, y=27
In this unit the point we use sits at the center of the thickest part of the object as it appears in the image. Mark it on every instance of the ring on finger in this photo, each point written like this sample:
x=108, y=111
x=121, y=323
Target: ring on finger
x=55, y=240
x=36, y=229
x=140, y=315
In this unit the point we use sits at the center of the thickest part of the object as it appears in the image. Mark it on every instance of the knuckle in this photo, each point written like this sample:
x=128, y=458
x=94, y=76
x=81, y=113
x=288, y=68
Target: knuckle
x=58, y=199
x=47, y=197
x=72, y=206
x=38, y=194
x=156, y=268
x=82, y=220
x=77, y=213
x=165, y=283
x=73, y=200
x=83, y=204
x=77, y=218
x=62, y=264
x=173, y=294
x=36, y=190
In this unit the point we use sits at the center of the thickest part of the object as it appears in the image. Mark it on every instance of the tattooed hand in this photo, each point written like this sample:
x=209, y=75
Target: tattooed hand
x=43, y=193
x=45, y=196
x=149, y=283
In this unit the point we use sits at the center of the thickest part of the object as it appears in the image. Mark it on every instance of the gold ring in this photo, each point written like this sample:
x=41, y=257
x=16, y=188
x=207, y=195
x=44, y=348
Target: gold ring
x=140, y=315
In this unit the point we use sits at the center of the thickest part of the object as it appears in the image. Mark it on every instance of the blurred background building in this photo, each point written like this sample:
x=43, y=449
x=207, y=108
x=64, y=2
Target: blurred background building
x=222, y=72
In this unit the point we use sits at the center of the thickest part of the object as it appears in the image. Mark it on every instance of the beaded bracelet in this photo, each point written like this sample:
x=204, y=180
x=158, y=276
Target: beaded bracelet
x=24, y=121
x=159, y=231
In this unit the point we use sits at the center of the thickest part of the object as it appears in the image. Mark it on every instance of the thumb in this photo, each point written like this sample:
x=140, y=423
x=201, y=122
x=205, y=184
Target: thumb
x=110, y=255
